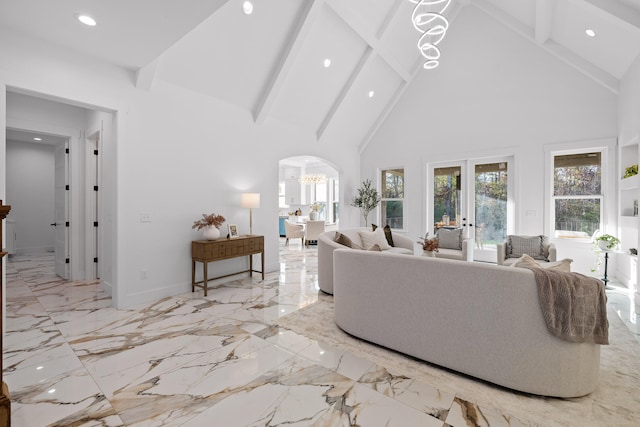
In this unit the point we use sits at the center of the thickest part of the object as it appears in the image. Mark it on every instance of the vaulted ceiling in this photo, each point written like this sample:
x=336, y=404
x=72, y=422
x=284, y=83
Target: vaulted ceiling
x=272, y=62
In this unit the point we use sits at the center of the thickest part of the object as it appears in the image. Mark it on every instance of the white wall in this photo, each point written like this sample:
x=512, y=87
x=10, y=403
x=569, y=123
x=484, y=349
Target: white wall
x=629, y=129
x=30, y=192
x=629, y=105
x=495, y=94
x=175, y=154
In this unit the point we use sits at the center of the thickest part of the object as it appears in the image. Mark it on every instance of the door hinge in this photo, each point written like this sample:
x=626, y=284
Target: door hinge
x=95, y=223
x=95, y=152
x=95, y=259
x=66, y=150
x=66, y=261
x=66, y=187
x=95, y=188
x=66, y=223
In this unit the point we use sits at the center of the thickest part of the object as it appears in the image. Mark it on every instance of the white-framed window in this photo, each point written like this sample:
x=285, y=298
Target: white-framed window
x=577, y=197
x=392, y=194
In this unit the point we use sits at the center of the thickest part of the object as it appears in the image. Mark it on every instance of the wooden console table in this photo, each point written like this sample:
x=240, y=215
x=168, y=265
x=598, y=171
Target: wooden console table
x=206, y=251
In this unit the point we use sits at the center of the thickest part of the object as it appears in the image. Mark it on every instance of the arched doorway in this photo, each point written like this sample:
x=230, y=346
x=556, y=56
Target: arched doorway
x=308, y=183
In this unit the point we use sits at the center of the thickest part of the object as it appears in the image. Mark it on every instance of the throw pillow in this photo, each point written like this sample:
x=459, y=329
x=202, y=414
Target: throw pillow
x=375, y=248
x=526, y=245
x=449, y=238
x=527, y=261
x=387, y=233
x=346, y=241
x=370, y=238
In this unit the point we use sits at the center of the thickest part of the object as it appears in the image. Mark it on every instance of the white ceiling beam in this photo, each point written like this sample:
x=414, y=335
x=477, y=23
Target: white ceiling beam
x=596, y=74
x=544, y=20
x=145, y=75
x=391, y=14
x=365, y=61
x=585, y=67
x=355, y=22
x=616, y=9
x=287, y=59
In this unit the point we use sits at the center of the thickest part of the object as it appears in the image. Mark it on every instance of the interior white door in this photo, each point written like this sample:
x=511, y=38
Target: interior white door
x=61, y=240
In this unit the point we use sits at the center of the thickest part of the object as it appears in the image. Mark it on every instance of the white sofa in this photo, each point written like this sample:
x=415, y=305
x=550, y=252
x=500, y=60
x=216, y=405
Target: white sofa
x=478, y=319
x=326, y=246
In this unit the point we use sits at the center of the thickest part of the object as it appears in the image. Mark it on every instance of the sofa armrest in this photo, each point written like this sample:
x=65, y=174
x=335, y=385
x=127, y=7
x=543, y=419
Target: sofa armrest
x=401, y=241
x=501, y=252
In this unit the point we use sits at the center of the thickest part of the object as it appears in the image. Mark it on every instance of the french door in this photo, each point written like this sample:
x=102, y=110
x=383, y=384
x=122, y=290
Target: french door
x=475, y=195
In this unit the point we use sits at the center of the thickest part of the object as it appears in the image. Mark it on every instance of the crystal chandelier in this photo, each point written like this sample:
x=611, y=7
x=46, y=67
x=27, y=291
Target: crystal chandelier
x=314, y=178
x=429, y=20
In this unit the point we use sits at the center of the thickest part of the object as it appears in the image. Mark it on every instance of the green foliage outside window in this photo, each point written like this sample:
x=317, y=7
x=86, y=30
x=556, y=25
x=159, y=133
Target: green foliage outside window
x=576, y=177
x=392, y=205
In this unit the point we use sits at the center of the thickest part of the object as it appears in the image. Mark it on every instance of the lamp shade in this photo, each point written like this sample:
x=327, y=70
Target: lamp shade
x=250, y=200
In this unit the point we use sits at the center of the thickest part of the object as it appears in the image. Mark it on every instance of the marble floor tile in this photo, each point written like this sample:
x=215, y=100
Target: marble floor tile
x=70, y=359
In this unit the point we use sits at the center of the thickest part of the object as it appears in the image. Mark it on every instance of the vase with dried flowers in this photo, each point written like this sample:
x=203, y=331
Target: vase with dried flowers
x=314, y=214
x=429, y=246
x=210, y=225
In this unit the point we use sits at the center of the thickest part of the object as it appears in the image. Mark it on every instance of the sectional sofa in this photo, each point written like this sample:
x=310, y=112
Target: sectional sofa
x=478, y=319
x=327, y=244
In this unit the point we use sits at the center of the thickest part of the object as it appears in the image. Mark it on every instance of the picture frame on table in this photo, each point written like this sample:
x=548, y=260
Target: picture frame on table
x=233, y=231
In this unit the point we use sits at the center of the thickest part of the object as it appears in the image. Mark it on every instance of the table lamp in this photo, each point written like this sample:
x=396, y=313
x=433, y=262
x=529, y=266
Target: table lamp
x=250, y=200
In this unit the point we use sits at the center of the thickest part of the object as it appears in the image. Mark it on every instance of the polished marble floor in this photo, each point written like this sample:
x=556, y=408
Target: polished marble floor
x=189, y=360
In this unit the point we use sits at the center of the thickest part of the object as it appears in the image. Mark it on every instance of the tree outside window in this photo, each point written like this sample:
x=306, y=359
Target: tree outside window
x=577, y=193
x=392, y=204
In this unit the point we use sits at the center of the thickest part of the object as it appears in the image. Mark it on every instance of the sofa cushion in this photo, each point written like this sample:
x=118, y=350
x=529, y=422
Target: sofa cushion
x=346, y=241
x=449, y=238
x=526, y=245
x=398, y=250
x=387, y=233
x=375, y=248
x=527, y=261
x=370, y=238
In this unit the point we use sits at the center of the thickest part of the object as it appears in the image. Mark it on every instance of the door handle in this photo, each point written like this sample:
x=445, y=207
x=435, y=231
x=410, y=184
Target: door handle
x=55, y=224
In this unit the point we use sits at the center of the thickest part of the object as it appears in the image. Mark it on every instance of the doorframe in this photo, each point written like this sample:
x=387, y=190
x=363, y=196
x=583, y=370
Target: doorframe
x=467, y=201
x=511, y=214
x=93, y=173
x=113, y=276
x=75, y=242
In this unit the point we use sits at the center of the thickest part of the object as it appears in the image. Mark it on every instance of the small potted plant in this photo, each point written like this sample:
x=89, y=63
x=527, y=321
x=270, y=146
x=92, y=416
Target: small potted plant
x=607, y=242
x=210, y=225
x=429, y=246
x=367, y=200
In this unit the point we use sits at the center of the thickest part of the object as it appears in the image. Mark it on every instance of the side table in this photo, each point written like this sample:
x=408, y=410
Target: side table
x=206, y=251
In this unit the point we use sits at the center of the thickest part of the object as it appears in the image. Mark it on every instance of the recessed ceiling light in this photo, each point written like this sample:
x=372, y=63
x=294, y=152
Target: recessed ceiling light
x=590, y=32
x=87, y=20
x=37, y=139
x=326, y=62
x=247, y=7
x=371, y=93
